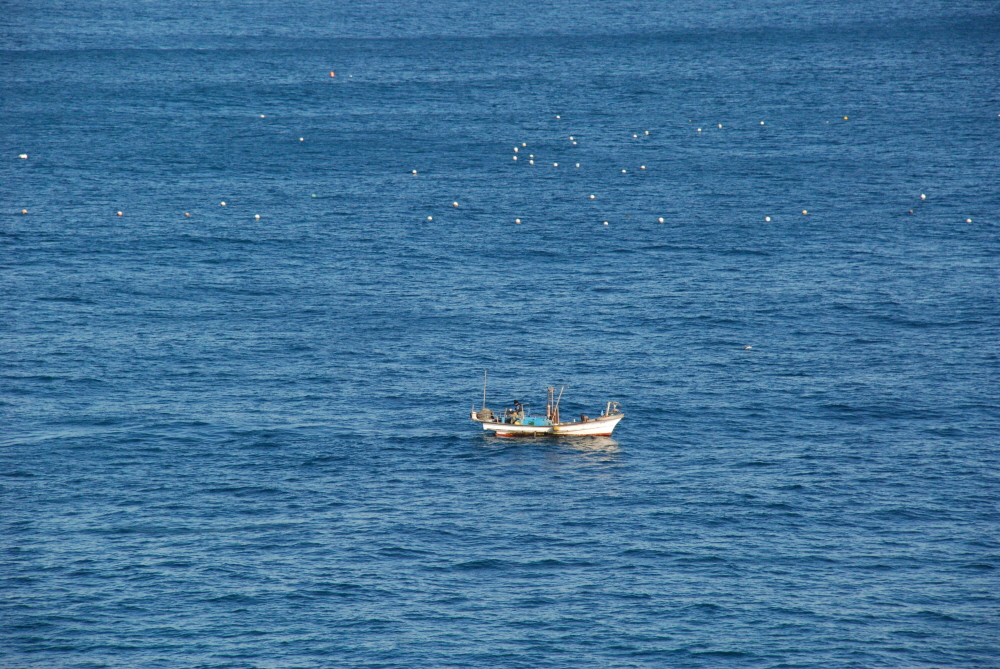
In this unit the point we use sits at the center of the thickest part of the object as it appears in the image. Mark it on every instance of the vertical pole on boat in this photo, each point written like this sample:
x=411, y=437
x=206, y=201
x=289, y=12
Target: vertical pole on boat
x=556, y=410
x=484, y=388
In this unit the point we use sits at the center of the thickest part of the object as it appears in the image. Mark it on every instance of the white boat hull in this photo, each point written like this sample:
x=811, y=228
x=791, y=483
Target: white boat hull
x=602, y=427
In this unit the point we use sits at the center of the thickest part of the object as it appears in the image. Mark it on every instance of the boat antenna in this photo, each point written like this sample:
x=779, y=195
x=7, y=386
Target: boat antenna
x=560, y=397
x=484, y=388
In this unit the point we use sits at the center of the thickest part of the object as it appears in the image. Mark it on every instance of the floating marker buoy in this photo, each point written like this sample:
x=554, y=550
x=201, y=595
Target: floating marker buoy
x=120, y=214
x=635, y=136
x=747, y=348
x=557, y=116
x=762, y=123
x=314, y=194
x=531, y=162
x=845, y=118
x=187, y=215
x=414, y=171
x=911, y=211
x=262, y=116
x=767, y=218
x=222, y=204
x=256, y=217
x=574, y=143
x=523, y=144
x=578, y=164
x=623, y=171
x=804, y=212
x=720, y=126
x=515, y=157
x=454, y=204
x=571, y=139
x=518, y=221
x=923, y=197
x=555, y=164
x=699, y=129
x=302, y=139
x=642, y=167
x=647, y=132
x=333, y=74
x=531, y=155
x=968, y=220
x=430, y=218
x=23, y=156
x=661, y=219
x=605, y=222
x=515, y=149
x=24, y=211
x=591, y=197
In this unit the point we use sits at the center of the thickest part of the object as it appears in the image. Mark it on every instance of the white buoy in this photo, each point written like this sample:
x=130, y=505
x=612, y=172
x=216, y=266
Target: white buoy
x=605, y=222
x=414, y=171
x=262, y=116
x=804, y=212
x=222, y=204
x=187, y=215
x=571, y=138
x=430, y=218
x=635, y=136
x=574, y=143
x=256, y=217
x=647, y=132
x=968, y=220
x=747, y=348
x=302, y=139
x=578, y=164
x=523, y=144
x=642, y=167
x=24, y=211
x=120, y=214
x=623, y=171
x=762, y=123
x=454, y=204
x=518, y=221
x=720, y=126
x=767, y=219
x=515, y=149
x=531, y=155
x=23, y=156
x=515, y=157
x=557, y=116
x=699, y=129
x=531, y=162
x=661, y=219
x=923, y=197
x=592, y=197
x=314, y=195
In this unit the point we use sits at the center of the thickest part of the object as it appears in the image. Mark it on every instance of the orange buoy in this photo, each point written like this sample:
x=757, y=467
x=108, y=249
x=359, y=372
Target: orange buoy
x=333, y=74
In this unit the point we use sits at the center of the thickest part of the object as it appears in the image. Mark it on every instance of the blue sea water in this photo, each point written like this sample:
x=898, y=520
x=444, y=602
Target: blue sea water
x=240, y=442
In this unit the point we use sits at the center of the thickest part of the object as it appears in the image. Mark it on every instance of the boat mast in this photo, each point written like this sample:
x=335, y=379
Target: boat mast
x=484, y=388
x=555, y=419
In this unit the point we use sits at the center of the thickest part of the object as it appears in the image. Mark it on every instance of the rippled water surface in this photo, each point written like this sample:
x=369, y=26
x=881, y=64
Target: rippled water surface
x=241, y=442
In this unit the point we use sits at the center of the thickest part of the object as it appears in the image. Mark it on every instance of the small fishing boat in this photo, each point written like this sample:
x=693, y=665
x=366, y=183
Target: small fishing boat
x=517, y=421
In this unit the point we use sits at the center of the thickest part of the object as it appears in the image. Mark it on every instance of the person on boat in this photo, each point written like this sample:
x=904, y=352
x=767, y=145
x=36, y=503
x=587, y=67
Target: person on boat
x=518, y=410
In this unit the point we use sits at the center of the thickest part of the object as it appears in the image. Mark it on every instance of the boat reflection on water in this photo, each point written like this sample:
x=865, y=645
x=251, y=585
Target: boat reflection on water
x=583, y=450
